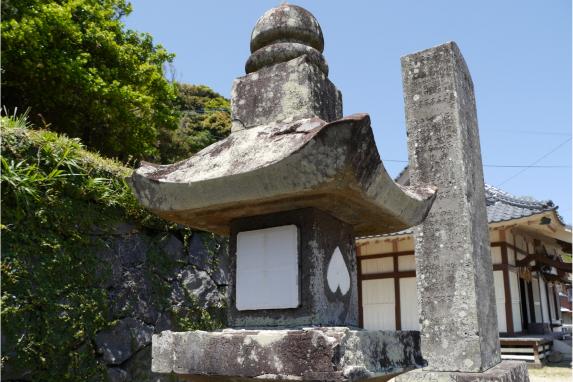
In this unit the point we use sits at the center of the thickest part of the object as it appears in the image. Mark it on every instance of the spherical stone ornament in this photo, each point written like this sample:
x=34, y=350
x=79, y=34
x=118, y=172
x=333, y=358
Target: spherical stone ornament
x=287, y=23
x=283, y=52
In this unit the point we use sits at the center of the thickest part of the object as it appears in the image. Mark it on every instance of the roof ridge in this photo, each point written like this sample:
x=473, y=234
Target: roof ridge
x=504, y=196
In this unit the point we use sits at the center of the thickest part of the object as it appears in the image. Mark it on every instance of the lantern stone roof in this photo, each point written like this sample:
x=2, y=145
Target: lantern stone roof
x=334, y=167
x=289, y=148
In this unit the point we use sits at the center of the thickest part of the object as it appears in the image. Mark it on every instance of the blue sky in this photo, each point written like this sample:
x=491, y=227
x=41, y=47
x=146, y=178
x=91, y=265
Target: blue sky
x=518, y=52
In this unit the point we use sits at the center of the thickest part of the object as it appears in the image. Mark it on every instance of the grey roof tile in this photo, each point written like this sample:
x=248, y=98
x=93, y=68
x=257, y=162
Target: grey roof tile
x=501, y=206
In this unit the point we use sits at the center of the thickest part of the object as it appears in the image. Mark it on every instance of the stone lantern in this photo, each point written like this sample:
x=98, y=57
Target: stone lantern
x=292, y=186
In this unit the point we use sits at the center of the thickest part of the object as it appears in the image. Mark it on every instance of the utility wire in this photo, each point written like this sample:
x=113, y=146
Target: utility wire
x=528, y=132
x=536, y=161
x=495, y=165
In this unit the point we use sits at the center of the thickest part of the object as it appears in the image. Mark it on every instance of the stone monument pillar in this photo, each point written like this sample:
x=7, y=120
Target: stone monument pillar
x=460, y=338
x=292, y=186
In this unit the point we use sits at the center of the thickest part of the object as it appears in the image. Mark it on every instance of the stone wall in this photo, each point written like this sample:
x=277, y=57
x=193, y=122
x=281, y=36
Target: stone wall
x=156, y=283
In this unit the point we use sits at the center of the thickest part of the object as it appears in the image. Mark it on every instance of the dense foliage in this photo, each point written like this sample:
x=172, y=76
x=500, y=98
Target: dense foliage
x=84, y=74
x=58, y=200
x=205, y=119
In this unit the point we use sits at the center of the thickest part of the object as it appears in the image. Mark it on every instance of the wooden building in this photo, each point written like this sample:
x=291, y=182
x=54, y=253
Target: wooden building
x=528, y=241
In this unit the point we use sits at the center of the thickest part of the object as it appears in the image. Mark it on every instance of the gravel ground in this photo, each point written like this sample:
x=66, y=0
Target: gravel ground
x=561, y=372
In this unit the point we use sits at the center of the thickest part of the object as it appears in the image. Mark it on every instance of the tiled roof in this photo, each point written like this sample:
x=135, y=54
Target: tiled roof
x=501, y=206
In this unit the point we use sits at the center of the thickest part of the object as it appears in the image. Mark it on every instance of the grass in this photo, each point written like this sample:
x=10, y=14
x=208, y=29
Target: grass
x=560, y=372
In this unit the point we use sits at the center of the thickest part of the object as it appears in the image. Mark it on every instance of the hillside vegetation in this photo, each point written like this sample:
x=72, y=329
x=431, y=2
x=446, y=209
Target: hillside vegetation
x=62, y=282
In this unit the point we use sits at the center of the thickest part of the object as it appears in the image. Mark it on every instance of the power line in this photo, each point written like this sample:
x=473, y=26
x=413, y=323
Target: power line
x=535, y=132
x=496, y=165
x=536, y=161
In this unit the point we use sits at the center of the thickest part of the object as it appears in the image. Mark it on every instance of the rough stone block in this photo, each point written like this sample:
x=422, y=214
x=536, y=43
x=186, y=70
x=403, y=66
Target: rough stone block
x=453, y=263
x=320, y=235
x=506, y=371
x=284, y=92
x=325, y=354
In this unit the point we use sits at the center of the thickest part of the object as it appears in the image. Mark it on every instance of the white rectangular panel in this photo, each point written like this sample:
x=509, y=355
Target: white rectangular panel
x=544, y=300
x=408, y=304
x=406, y=263
x=380, y=265
x=500, y=300
x=495, y=255
x=536, y=300
x=267, y=269
x=515, y=301
x=378, y=304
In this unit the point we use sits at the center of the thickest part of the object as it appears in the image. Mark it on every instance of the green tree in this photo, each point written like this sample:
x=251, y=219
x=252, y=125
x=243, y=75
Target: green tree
x=81, y=71
x=205, y=119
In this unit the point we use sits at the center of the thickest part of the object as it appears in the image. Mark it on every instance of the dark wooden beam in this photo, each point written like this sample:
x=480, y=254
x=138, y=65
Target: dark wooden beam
x=389, y=254
x=545, y=260
x=360, y=304
x=388, y=275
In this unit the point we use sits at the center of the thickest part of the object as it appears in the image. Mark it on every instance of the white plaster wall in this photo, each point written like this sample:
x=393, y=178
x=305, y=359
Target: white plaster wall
x=374, y=247
x=544, y=305
x=496, y=255
x=550, y=302
x=406, y=245
x=378, y=304
x=408, y=304
x=500, y=300
x=527, y=305
x=515, y=302
x=381, y=265
x=536, y=300
x=511, y=256
x=407, y=263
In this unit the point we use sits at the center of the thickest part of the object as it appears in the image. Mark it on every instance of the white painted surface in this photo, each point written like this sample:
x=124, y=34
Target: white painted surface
x=267, y=268
x=337, y=274
x=536, y=300
x=544, y=305
x=511, y=256
x=496, y=255
x=406, y=263
x=381, y=265
x=515, y=301
x=408, y=304
x=378, y=304
x=551, y=303
x=376, y=247
x=406, y=245
x=527, y=305
x=500, y=300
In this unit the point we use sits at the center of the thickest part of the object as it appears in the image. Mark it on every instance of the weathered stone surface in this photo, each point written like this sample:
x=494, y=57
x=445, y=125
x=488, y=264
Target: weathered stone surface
x=199, y=285
x=319, y=236
x=115, y=374
x=506, y=371
x=334, y=167
x=124, y=339
x=287, y=22
x=173, y=248
x=283, y=52
x=285, y=92
x=334, y=354
x=138, y=369
x=291, y=81
x=453, y=263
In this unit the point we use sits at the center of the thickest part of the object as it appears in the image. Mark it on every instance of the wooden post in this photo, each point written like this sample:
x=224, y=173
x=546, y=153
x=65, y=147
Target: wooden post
x=506, y=286
x=359, y=277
